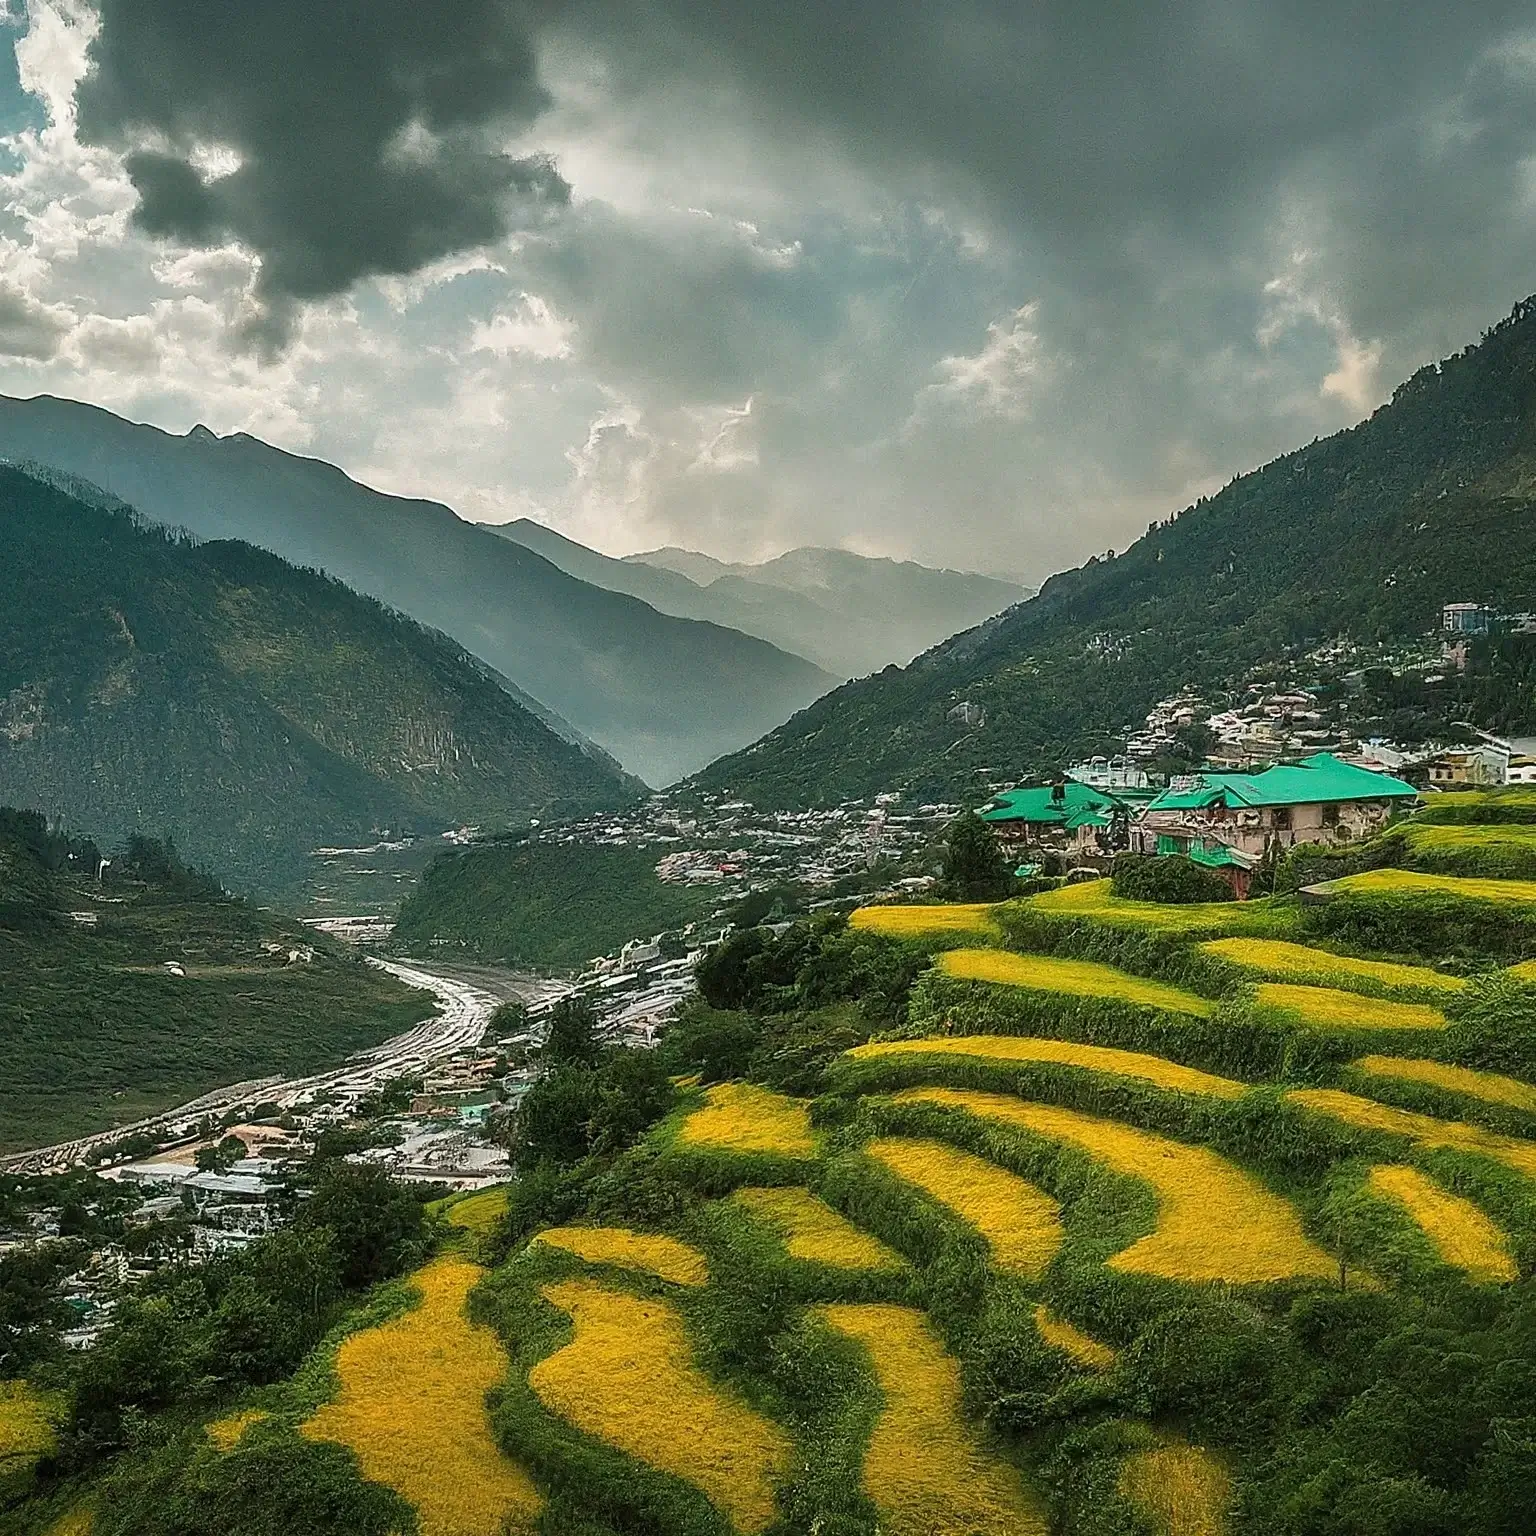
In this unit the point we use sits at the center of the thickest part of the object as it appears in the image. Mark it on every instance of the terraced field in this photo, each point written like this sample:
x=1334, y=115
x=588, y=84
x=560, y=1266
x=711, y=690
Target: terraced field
x=1461, y=1235
x=1408, y=882
x=1490, y=1087
x=1329, y=1008
x=900, y=922
x=1281, y=960
x=1076, y=978
x=1096, y=900
x=652, y=1253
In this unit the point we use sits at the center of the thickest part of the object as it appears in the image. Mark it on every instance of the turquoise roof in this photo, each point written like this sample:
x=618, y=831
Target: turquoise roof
x=1219, y=856
x=1040, y=805
x=1315, y=780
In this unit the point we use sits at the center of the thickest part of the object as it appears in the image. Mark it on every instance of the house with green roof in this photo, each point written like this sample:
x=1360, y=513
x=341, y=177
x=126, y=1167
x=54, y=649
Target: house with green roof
x=1067, y=815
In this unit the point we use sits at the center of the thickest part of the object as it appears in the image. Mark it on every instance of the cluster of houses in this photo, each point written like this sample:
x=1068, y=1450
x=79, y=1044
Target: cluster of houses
x=1224, y=820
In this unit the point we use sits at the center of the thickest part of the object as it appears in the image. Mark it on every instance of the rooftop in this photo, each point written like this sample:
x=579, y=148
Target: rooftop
x=1319, y=779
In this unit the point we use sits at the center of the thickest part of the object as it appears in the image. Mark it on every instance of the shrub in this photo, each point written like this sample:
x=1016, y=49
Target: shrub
x=1170, y=878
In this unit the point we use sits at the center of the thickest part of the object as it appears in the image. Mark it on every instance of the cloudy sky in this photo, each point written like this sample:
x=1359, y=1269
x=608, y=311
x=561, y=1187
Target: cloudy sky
x=986, y=283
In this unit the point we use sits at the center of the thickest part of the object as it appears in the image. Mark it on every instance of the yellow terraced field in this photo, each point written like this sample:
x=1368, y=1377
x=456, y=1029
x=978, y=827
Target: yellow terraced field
x=1491, y=1087
x=226, y=1433
x=479, y=1213
x=628, y=1377
x=812, y=1230
x=1015, y=1049
x=1022, y=1224
x=738, y=1117
x=411, y=1405
x=1082, y=1347
x=1182, y=1490
x=1096, y=899
x=924, y=1470
x=1215, y=1221
x=26, y=1425
x=1461, y=1234
x=1078, y=978
x=1328, y=1008
x=1406, y=882
x=1446, y=837
x=667, y=1258
x=1428, y=1131
x=1284, y=961
x=925, y=922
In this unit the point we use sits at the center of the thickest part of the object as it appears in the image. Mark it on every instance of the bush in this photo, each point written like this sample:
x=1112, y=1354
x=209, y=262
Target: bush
x=1168, y=878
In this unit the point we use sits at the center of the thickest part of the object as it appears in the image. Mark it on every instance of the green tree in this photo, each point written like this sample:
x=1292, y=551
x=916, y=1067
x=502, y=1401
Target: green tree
x=572, y=1036
x=974, y=866
x=222, y=1157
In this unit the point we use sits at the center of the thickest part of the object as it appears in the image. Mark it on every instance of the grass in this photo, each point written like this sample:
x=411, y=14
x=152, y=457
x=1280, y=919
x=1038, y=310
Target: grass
x=26, y=1427
x=1284, y=961
x=923, y=1469
x=665, y=1257
x=1182, y=1490
x=1460, y=1233
x=1215, y=1221
x=1081, y=1347
x=479, y=1213
x=1095, y=899
x=411, y=1405
x=1499, y=848
x=740, y=1117
x=226, y=1433
x=1424, y=1130
x=897, y=922
x=812, y=1230
x=1079, y=978
x=1407, y=882
x=1328, y=1008
x=1010, y=1049
x=628, y=1378
x=79, y=1521
x=1490, y=1087
x=1021, y=1224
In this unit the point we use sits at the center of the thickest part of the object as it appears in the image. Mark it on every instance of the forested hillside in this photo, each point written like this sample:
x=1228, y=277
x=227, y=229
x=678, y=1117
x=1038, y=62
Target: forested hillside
x=251, y=710
x=1365, y=533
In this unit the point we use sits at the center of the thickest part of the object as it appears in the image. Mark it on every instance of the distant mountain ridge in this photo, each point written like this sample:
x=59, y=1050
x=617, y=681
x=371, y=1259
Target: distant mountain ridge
x=1366, y=533
x=850, y=614
x=663, y=694
x=149, y=683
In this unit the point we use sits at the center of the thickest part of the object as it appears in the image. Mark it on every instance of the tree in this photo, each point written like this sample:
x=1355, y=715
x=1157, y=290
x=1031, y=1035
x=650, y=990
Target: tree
x=377, y=1224
x=974, y=866
x=223, y=1157
x=572, y=1036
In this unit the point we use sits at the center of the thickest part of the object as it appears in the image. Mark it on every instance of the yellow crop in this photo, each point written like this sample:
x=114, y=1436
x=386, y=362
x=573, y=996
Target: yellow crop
x=739, y=1117
x=1525, y=971
x=26, y=1425
x=1215, y=1221
x=1492, y=1087
x=1008, y=1049
x=78, y=1521
x=1426, y=1130
x=924, y=922
x=1096, y=899
x=1022, y=1224
x=924, y=1470
x=1299, y=962
x=412, y=1406
x=628, y=1377
x=1182, y=1490
x=665, y=1257
x=1327, y=1008
x=1082, y=1347
x=1407, y=882
x=812, y=1230
x=1462, y=1235
x=226, y=1433
x=1431, y=836
x=479, y=1213
x=1079, y=978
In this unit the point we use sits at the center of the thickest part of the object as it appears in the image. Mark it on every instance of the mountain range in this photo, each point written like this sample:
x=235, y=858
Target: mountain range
x=152, y=683
x=1366, y=534
x=663, y=694
x=848, y=613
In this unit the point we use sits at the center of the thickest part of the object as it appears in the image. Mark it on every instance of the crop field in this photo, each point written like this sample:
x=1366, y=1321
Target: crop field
x=810, y=1229
x=478, y=1213
x=1182, y=1490
x=1079, y=978
x=974, y=921
x=739, y=1117
x=226, y=1433
x=1491, y=1087
x=1062, y=1335
x=1426, y=1130
x=1461, y=1234
x=1407, y=882
x=411, y=1405
x=628, y=1377
x=1328, y=1008
x=1022, y=1224
x=923, y=1470
x=1096, y=899
x=1013, y=1049
x=26, y=1426
x=1215, y=1221
x=1510, y=804
x=667, y=1258
x=1281, y=960
x=1473, y=847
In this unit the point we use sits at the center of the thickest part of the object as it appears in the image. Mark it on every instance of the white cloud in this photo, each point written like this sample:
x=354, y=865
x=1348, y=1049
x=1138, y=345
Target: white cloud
x=531, y=329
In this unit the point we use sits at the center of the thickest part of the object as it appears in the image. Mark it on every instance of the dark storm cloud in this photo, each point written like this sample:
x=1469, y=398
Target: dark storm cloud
x=366, y=130
x=27, y=328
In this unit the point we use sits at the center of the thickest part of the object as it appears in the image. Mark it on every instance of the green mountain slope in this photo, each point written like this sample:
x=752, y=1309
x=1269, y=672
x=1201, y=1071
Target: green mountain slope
x=250, y=709
x=1365, y=533
x=663, y=695
x=849, y=613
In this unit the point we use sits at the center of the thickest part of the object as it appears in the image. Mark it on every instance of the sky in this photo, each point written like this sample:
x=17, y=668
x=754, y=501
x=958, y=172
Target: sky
x=988, y=284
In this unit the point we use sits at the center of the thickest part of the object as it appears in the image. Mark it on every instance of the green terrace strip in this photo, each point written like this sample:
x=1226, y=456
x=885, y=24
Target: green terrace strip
x=1009, y=1050
x=1490, y=1087
x=1499, y=806
x=1078, y=978
x=1408, y=882
x=811, y=1230
x=1096, y=901
x=1471, y=849
x=1328, y=1008
x=1281, y=960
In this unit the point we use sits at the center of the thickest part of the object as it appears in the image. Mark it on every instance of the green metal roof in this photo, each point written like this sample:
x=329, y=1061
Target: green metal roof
x=1319, y=779
x=1038, y=804
x=1220, y=856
